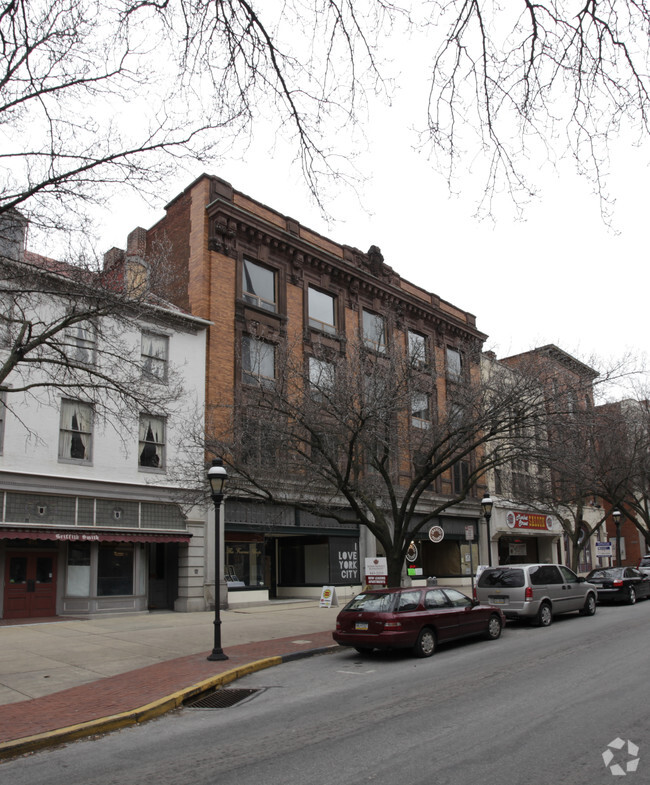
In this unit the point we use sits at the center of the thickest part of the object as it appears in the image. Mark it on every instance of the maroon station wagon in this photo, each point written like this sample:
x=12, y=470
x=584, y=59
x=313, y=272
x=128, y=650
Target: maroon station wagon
x=417, y=618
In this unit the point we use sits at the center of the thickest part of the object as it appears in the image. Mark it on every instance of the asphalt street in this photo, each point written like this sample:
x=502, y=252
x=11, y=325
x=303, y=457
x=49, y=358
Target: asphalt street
x=539, y=706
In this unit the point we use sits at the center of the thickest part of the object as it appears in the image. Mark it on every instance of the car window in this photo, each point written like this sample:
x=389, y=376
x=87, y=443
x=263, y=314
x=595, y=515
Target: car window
x=371, y=602
x=597, y=574
x=457, y=599
x=501, y=578
x=631, y=572
x=408, y=601
x=435, y=598
x=568, y=575
x=545, y=574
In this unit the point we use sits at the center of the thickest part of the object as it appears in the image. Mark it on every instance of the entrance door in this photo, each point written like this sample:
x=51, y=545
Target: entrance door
x=30, y=585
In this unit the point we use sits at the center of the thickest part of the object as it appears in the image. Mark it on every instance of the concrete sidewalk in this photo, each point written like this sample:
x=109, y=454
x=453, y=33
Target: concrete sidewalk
x=65, y=679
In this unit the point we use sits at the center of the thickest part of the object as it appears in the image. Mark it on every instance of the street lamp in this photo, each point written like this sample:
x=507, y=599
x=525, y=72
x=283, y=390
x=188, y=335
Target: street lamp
x=217, y=477
x=486, y=504
x=616, y=515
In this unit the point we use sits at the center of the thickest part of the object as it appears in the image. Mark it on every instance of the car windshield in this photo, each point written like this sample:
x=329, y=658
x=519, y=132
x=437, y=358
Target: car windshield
x=371, y=602
x=606, y=572
x=501, y=577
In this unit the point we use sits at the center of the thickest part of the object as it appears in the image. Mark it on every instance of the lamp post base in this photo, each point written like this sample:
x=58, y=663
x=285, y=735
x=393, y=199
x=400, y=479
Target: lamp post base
x=217, y=654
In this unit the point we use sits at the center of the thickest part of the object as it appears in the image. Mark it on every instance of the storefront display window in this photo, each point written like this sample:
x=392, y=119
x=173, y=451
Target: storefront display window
x=115, y=569
x=244, y=563
x=78, y=582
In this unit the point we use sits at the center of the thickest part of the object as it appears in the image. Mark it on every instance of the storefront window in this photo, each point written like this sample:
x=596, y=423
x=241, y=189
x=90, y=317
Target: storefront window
x=244, y=563
x=78, y=582
x=115, y=570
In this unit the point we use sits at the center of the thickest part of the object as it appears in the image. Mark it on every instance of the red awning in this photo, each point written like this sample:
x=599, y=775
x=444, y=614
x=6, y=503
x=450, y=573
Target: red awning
x=90, y=535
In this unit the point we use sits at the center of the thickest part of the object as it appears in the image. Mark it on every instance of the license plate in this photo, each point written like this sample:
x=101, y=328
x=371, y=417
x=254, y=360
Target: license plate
x=361, y=625
x=498, y=600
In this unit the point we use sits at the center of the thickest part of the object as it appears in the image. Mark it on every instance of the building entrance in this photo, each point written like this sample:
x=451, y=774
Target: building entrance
x=30, y=585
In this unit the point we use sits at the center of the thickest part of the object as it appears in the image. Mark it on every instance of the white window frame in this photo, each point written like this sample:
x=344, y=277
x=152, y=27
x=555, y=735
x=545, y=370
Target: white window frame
x=154, y=355
x=71, y=438
x=155, y=447
x=81, y=342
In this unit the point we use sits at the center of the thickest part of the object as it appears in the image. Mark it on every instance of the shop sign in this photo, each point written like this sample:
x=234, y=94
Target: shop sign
x=328, y=597
x=376, y=571
x=603, y=549
x=529, y=520
x=436, y=534
x=344, y=560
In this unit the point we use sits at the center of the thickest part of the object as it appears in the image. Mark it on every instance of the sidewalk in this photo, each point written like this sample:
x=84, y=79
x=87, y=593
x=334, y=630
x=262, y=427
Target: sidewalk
x=61, y=680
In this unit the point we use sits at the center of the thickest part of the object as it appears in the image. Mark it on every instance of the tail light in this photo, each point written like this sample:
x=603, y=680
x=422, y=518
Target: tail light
x=475, y=593
x=529, y=593
x=392, y=625
x=617, y=583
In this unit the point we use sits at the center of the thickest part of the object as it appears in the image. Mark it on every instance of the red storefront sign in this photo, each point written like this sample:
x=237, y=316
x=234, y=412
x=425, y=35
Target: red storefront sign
x=529, y=520
x=88, y=535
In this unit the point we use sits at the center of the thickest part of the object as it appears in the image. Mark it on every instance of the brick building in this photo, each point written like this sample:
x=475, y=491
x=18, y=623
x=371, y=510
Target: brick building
x=264, y=280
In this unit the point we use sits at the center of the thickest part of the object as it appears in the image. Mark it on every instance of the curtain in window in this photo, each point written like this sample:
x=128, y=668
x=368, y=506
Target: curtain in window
x=152, y=442
x=76, y=430
x=154, y=354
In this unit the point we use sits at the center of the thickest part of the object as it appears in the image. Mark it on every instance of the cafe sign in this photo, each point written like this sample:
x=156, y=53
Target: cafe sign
x=529, y=520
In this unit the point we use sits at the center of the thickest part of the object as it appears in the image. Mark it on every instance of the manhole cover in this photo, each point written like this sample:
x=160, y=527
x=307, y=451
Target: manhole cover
x=221, y=699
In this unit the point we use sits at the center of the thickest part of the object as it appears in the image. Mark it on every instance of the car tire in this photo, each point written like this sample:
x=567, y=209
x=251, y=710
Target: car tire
x=494, y=628
x=425, y=645
x=364, y=651
x=544, y=615
x=589, y=607
x=631, y=595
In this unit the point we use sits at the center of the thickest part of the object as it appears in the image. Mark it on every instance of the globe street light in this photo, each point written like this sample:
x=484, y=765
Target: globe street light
x=486, y=504
x=616, y=515
x=217, y=477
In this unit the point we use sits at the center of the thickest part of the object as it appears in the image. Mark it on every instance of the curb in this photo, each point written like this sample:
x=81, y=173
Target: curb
x=149, y=711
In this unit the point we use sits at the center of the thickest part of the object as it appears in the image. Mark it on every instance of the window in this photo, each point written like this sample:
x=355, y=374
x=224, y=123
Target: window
x=321, y=376
x=81, y=340
x=3, y=412
x=155, y=351
x=115, y=569
x=460, y=476
x=454, y=364
x=417, y=348
x=6, y=313
x=374, y=331
x=322, y=311
x=258, y=361
x=75, y=435
x=420, y=416
x=258, y=286
x=151, y=447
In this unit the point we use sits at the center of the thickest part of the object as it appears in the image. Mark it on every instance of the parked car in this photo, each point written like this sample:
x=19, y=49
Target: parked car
x=417, y=618
x=536, y=592
x=644, y=564
x=620, y=584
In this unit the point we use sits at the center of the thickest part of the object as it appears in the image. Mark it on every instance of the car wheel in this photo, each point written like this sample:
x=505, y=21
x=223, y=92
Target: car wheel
x=494, y=628
x=631, y=595
x=425, y=645
x=364, y=651
x=590, y=606
x=544, y=615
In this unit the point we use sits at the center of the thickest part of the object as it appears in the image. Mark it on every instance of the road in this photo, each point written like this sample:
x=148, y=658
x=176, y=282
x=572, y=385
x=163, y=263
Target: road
x=538, y=706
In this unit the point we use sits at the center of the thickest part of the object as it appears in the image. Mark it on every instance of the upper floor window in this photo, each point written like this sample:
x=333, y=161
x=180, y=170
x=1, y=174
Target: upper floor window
x=321, y=376
x=151, y=446
x=420, y=412
x=81, y=342
x=76, y=431
x=322, y=310
x=417, y=348
x=374, y=331
x=3, y=410
x=258, y=361
x=155, y=353
x=259, y=286
x=454, y=364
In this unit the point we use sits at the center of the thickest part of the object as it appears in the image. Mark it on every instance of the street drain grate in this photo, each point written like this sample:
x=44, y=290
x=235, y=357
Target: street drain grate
x=221, y=699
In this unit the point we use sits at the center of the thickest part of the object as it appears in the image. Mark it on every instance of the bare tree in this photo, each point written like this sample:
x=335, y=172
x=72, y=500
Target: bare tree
x=373, y=432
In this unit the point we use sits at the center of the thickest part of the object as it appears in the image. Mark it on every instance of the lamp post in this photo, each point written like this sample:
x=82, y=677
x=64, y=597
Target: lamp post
x=217, y=477
x=616, y=515
x=486, y=504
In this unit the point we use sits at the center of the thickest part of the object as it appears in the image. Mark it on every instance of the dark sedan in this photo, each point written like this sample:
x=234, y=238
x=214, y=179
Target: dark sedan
x=417, y=618
x=620, y=584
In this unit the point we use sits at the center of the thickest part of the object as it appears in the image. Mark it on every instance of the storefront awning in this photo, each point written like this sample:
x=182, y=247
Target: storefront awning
x=90, y=535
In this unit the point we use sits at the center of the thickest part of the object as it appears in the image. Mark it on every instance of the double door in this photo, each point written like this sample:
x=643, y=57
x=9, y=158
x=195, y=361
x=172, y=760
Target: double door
x=30, y=585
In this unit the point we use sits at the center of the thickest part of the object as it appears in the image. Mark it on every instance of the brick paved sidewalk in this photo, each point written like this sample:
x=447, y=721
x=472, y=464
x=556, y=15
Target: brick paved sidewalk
x=128, y=691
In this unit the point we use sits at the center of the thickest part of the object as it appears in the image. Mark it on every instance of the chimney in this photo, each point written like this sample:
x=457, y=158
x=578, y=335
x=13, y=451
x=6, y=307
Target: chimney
x=13, y=231
x=137, y=269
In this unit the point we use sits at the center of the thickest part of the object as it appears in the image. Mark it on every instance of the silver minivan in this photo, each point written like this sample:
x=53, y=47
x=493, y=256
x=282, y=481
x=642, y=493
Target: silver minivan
x=535, y=591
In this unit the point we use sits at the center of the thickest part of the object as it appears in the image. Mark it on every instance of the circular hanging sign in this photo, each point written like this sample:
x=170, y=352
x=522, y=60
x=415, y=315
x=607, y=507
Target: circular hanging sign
x=436, y=534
